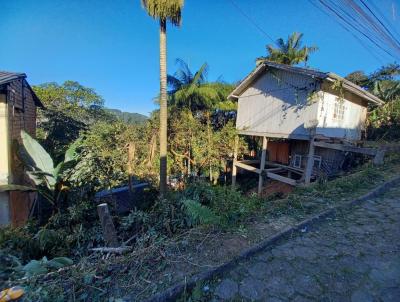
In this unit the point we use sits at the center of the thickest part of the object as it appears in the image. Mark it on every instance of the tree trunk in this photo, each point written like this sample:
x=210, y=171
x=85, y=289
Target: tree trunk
x=131, y=158
x=163, y=107
x=152, y=150
x=209, y=145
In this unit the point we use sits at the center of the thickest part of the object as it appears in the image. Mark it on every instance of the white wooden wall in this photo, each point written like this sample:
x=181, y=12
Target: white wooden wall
x=349, y=127
x=271, y=106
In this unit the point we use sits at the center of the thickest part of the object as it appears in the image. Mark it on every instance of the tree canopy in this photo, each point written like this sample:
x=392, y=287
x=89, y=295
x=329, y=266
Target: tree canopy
x=290, y=52
x=164, y=10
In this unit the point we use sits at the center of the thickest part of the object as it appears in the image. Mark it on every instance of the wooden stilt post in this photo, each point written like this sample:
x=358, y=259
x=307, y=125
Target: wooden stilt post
x=310, y=162
x=262, y=164
x=110, y=235
x=234, y=169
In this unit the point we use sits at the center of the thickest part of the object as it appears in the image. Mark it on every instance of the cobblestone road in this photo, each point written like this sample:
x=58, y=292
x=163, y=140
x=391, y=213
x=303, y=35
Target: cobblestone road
x=352, y=257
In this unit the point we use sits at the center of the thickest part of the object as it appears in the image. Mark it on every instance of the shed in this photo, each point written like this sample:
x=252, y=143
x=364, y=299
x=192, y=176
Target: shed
x=317, y=115
x=18, y=103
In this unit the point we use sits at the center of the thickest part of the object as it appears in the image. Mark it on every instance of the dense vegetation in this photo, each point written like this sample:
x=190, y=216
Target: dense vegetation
x=384, y=121
x=87, y=148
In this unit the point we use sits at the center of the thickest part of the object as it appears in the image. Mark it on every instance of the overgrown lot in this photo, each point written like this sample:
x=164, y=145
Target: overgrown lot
x=183, y=234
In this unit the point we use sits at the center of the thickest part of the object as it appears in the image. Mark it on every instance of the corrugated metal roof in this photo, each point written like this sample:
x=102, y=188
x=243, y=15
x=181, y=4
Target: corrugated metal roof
x=7, y=77
x=261, y=68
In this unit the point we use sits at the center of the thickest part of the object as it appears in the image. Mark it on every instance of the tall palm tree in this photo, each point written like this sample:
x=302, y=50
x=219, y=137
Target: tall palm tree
x=290, y=52
x=163, y=11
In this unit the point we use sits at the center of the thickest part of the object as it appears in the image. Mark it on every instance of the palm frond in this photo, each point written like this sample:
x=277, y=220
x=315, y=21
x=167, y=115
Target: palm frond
x=164, y=10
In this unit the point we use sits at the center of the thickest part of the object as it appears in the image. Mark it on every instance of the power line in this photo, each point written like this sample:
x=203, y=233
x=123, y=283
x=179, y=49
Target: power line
x=350, y=32
x=348, y=13
x=251, y=20
x=380, y=22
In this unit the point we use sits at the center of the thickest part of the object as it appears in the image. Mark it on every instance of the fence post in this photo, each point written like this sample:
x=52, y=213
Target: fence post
x=109, y=233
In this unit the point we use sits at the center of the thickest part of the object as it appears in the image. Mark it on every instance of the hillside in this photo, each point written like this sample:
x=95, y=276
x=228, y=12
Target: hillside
x=128, y=117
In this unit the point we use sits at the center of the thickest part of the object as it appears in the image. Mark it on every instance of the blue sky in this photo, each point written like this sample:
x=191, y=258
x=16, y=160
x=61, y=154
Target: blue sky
x=112, y=46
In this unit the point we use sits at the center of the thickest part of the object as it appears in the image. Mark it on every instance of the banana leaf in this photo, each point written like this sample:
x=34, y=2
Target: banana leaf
x=7, y=188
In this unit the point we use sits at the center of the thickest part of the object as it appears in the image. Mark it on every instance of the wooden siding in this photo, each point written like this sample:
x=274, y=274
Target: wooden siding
x=21, y=115
x=278, y=152
x=273, y=107
x=331, y=160
x=279, y=105
x=352, y=124
x=4, y=161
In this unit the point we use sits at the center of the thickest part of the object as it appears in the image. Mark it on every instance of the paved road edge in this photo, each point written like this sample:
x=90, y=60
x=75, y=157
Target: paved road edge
x=173, y=292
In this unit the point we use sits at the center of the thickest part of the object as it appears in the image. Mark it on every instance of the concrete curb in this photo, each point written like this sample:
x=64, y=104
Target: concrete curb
x=173, y=292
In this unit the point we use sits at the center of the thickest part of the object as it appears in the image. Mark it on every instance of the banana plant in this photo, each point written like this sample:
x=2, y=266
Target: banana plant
x=49, y=180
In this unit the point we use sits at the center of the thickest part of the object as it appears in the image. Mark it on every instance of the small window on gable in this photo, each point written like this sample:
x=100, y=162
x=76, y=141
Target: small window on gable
x=338, y=110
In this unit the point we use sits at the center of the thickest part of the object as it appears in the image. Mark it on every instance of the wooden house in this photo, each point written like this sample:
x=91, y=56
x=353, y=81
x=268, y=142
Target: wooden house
x=307, y=120
x=18, y=104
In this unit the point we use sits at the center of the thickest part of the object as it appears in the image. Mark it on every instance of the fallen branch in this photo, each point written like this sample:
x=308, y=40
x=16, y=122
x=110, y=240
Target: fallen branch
x=116, y=250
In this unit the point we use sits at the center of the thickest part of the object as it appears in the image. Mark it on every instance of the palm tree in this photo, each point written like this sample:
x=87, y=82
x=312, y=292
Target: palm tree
x=192, y=91
x=290, y=52
x=163, y=11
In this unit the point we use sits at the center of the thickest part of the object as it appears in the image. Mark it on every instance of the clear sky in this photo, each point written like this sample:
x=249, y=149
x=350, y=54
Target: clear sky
x=112, y=45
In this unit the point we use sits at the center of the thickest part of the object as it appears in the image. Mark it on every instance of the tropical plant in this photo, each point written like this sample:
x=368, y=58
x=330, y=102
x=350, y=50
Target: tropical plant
x=193, y=91
x=49, y=180
x=39, y=267
x=290, y=52
x=163, y=11
x=199, y=214
x=383, y=121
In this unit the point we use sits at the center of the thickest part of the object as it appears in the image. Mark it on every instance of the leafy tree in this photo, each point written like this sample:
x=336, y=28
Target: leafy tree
x=69, y=109
x=359, y=78
x=290, y=52
x=199, y=110
x=384, y=76
x=163, y=11
x=383, y=121
x=193, y=91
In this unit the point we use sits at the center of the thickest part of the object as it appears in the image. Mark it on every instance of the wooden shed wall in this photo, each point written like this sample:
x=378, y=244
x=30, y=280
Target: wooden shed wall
x=273, y=106
x=21, y=115
x=331, y=160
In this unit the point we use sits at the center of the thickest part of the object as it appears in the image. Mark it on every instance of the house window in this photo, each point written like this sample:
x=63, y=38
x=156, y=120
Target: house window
x=297, y=161
x=338, y=111
x=317, y=161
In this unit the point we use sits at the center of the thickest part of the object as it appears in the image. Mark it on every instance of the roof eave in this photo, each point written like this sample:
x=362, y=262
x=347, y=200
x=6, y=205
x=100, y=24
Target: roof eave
x=246, y=82
x=350, y=86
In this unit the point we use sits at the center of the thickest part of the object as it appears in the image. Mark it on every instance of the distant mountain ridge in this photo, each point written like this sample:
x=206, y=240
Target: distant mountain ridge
x=128, y=117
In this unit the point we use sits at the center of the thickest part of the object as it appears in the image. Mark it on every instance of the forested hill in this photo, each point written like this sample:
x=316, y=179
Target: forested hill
x=129, y=117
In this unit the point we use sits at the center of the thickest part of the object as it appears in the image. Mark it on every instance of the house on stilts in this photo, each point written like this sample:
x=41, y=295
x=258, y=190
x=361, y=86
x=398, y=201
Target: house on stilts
x=308, y=121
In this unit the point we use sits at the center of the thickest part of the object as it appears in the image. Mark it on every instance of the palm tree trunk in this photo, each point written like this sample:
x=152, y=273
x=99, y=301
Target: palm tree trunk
x=209, y=144
x=163, y=107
